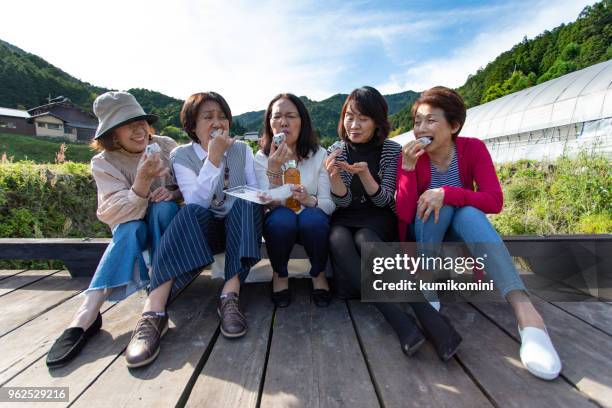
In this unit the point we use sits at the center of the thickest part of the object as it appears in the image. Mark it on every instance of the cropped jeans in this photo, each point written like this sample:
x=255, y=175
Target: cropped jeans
x=122, y=267
x=470, y=225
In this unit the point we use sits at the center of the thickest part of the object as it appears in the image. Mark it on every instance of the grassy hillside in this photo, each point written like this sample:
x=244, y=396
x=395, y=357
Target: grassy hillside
x=566, y=196
x=41, y=150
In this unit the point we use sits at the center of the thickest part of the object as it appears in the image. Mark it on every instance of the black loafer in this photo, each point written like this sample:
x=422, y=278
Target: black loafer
x=281, y=298
x=321, y=297
x=70, y=343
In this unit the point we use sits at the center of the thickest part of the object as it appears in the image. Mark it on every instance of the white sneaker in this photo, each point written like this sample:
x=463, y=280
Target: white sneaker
x=538, y=353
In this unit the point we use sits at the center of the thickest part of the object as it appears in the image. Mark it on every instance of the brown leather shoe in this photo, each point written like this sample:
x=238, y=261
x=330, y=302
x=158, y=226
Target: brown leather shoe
x=144, y=345
x=233, y=322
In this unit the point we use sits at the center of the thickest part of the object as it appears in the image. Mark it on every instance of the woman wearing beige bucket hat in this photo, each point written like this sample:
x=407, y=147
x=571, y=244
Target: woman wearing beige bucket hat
x=136, y=198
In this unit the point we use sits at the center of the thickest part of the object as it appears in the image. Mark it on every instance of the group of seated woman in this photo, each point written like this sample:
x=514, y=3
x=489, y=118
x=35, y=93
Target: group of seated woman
x=367, y=189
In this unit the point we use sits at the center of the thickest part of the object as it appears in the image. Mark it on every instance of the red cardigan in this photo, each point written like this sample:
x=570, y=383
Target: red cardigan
x=481, y=185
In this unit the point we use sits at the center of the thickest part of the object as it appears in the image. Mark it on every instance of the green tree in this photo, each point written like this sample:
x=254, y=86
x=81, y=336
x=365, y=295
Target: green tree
x=175, y=133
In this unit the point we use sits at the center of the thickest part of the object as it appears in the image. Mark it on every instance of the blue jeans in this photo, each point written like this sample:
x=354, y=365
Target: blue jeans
x=283, y=228
x=122, y=266
x=470, y=225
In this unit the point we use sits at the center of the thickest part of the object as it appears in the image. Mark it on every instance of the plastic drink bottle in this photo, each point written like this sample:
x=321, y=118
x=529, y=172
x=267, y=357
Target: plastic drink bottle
x=292, y=176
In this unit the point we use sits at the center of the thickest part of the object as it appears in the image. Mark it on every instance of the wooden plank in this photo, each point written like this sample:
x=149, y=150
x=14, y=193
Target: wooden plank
x=597, y=314
x=7, y=273
x=575, y=302
x=421, y=380
x=81, y=256
x=586, y=353
x=233, y=372
x=194, y=323
x=22, y=347
x=315, y=359
x=25, y=304
x=54, y=241
x=492, y=358
x=99, y=353
x=23, y=279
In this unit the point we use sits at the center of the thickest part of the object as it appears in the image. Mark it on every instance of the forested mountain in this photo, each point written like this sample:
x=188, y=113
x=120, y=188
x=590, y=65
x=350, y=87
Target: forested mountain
x=325, y=113
x=565, y=49
x=29, y=80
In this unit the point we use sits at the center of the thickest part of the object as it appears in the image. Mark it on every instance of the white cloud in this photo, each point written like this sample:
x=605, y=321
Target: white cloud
x=250, y=51
x=453, y=70
x=247, y=51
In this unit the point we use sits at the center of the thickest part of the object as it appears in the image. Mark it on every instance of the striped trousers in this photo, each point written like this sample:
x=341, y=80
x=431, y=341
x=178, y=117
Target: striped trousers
x=195, y=235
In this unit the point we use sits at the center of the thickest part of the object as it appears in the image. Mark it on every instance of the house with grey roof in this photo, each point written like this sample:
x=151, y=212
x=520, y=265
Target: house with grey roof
x=16, y=121
x=60, y=118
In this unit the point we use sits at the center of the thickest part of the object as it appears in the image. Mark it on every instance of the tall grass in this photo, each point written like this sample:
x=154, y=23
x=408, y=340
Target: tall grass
x=566, y=196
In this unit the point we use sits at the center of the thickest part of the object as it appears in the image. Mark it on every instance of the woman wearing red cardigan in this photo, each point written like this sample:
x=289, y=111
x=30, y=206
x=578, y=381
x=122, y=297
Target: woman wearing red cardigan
x=445, y=186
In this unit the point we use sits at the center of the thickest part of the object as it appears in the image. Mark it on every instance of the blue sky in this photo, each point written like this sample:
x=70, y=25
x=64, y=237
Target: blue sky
x=249, y=51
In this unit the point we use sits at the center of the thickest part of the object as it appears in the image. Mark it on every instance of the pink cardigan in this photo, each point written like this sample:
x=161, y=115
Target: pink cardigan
x=481, y=185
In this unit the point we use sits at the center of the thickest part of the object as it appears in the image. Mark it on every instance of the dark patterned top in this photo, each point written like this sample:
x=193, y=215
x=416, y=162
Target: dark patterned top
x=358, y=209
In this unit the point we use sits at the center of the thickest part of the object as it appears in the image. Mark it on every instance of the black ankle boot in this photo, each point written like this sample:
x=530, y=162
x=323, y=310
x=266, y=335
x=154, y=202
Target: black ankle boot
x=439, y=330
x=411, y=339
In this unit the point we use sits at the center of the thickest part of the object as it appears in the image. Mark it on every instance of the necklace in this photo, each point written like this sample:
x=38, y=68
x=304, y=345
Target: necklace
x=442, y=165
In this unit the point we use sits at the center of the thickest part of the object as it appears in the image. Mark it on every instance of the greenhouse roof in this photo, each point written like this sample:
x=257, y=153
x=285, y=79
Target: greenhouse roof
x=580, y=96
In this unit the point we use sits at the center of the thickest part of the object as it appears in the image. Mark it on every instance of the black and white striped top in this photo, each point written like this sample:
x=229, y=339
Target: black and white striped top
x=448, y=178
x=385, y=196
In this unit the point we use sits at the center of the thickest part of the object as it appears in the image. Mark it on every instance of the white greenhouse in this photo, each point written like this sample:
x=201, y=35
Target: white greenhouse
x=565, y=115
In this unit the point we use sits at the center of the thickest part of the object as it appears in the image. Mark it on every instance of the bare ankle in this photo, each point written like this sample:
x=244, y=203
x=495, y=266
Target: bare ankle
x=320, y=281
x=84, y=317
x=279, y=282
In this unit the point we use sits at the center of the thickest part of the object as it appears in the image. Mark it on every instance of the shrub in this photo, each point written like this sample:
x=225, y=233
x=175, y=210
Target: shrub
x=567, y=196
x=47, y=201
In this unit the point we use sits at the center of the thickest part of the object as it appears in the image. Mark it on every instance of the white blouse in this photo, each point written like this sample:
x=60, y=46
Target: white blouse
x=313, y=177
x=199, y=188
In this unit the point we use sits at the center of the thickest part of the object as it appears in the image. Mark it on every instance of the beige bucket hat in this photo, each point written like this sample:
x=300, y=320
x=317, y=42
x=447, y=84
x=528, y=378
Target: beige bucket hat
x=114, y=109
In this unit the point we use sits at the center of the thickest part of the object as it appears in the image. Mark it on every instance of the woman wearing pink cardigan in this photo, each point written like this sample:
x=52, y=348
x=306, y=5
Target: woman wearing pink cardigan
x=445, y=186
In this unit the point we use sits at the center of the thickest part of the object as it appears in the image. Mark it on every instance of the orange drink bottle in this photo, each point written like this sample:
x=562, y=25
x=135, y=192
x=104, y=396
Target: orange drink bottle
x=292, y=176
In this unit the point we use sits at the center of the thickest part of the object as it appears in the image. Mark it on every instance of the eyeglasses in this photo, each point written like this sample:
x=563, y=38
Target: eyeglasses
x=217, y=202
x=137, y=125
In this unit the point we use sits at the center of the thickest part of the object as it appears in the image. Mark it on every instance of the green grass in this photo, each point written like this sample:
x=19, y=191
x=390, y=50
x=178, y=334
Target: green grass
x=566, y=196
x=41, y=150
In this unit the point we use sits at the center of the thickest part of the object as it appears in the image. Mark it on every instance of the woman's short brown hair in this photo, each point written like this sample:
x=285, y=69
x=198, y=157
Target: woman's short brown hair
x=369, y=102
x=191, y=107
x=109, y=143
x=446, y=99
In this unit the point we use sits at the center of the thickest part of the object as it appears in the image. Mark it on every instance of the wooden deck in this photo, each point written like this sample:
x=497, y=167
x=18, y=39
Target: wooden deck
x=301, y=356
